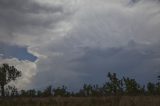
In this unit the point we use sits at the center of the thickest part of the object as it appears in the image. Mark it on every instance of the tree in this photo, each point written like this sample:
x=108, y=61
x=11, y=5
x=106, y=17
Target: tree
x=131, y=86
x=96, y=90
x=159, y=77
x=7, y=74
x=61, y=91
x=39, y=93
x=157, y=86
x=48, y=91
x=114, y=86
x=87, y=90
x=151, y=87
x=13, y=91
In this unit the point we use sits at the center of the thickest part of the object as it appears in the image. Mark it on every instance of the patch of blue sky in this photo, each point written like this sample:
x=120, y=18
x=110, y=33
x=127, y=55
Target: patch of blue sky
x=13, y=51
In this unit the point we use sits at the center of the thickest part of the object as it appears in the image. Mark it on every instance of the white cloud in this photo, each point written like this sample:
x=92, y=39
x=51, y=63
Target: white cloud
x=27, y=68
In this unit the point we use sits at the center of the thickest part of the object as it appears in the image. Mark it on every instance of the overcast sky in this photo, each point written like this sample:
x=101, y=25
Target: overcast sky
x=71, y=42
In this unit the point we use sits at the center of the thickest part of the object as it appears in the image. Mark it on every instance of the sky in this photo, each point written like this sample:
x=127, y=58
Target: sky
x=72, y=42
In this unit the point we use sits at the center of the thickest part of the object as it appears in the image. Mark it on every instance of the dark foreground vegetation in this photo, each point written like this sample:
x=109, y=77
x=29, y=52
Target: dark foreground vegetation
x=83, y=101
x=115, y=91
x=112, y=87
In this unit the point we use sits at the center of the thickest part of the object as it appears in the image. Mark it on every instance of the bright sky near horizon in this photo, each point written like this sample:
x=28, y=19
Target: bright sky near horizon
x=71, y=42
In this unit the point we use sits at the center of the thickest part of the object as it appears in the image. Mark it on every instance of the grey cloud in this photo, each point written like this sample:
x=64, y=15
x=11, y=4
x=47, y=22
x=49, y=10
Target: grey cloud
x=81, y=47
x=73, y=68
x=117, y=39
x=26, y=24
x=20, y=13
x=134, y=61
x=27, y=19
x=29, y=6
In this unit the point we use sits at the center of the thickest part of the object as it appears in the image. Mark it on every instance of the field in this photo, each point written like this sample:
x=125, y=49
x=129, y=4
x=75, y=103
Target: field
x=83, y=101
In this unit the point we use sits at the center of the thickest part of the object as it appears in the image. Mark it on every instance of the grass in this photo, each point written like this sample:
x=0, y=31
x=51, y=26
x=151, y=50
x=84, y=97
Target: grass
x=83, y=101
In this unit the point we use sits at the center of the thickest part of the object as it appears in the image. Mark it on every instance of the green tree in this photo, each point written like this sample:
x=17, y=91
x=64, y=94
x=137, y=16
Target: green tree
x=131, y=86
x=13, y=91
x=87, y=90
x=96, y=90
x=151, y=88
x=23, y=93
x=158, y=86
x=31, y=93
x=159, y=78
x=48, y=91
x=39, y=93
x=114, y=86
x=7, y=74
x=61, y=91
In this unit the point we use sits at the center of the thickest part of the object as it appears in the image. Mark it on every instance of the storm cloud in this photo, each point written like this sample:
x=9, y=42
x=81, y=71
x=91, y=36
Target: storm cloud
x=79, y=41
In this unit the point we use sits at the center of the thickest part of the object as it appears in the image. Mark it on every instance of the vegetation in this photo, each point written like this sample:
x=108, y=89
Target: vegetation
x=113, y=86
x=83, y=101
x=7, y=74
x=112, y=93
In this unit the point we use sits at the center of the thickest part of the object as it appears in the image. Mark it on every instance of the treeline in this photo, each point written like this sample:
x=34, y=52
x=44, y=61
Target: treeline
x=113, y=86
